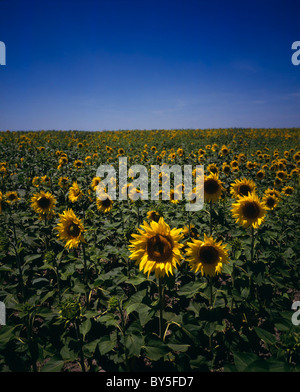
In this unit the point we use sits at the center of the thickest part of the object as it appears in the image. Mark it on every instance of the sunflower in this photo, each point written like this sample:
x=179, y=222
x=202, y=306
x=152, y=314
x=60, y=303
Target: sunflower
x=104, y=204
x=282, y=174
x=78, y=164
x=287, y=190
x=70, y=229
x=242, y=187
x=95, y=182
x=63, y=182
x=156, y=248
x=270, y=201
x=153, y=215
x=273, y=192
x=249, y=211
x=207, y=256
x=36, y=181
x=213, y=168
x=212, y=188
x=260, y=174
x=175, y=196
x=225, y=168
x=11, y=197
x=224, y=150
x=43, y=203
x=75, y=192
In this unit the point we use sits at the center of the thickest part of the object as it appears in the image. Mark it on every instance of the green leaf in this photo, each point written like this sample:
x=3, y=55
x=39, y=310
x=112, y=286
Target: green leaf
x=133, y=343
x=85, y=327
x=243, y=360
x=179, y=347
x=105, y=345
x=55, y=364
x=264, y=335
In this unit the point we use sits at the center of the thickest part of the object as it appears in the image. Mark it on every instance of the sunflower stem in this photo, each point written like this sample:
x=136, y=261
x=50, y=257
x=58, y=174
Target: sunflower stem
x=252, y=244
x=20, y=275
x=161, y=308
x=210, y=218
x=85, y=276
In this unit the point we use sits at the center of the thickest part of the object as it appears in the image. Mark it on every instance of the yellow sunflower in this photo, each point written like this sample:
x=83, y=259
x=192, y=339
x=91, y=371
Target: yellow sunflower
x=213, y=188
x=104, y=204
x=43, y=203
x=287, y=190
x=207, y=256
x=70, y=229
x=75, y=192
x=11, y=197
x=156, y=248
x=249, y=211
x=242, y=187
x=270, y=201
x=63, y=182
x=153, y=215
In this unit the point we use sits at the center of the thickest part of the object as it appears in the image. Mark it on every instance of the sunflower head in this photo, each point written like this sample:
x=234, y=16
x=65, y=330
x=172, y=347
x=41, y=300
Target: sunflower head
x=156, y=248
x=11, y=197
x=206, y=256
x=287, y=190
x=104, y=204
x=213, y=188
x=249, y=211
x=153, y=215
x=270, y=201
x=70, y=229
x=43, y=203
x=75, y=192
x=242, y=187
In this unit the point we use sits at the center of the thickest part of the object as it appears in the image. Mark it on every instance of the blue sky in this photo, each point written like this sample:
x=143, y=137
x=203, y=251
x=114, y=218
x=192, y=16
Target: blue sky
x=149, y=64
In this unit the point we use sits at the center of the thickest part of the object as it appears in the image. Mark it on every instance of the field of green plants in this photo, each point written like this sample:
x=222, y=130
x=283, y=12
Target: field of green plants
x=145, y=285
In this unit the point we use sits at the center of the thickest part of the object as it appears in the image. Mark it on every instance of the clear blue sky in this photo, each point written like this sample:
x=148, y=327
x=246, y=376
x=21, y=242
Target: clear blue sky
x=149, y=64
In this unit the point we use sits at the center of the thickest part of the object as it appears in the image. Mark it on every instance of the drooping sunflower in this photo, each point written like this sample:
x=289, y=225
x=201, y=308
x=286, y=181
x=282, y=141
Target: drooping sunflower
x=206, y=256
x=75, y=192
x=213, y=188
x=43, y=203
x=104, y=204
x=153, y=215
x=249, y=211
x=242, y=187
x=70, y=229
x=156, y=248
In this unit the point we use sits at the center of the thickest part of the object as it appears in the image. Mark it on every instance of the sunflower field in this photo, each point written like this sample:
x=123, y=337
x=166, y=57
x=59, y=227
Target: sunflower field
x=92, y=285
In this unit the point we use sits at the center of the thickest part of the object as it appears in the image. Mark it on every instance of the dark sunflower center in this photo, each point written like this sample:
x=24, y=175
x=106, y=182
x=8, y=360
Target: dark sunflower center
x=44, y=202
x=270, y=202
x=208, y=254
x=74, y=230
x=244, y=190
x=106, y=202
x=289, y=191
x=12, y=197
x=159, y=248
x=250, y=210
x=211, y=186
